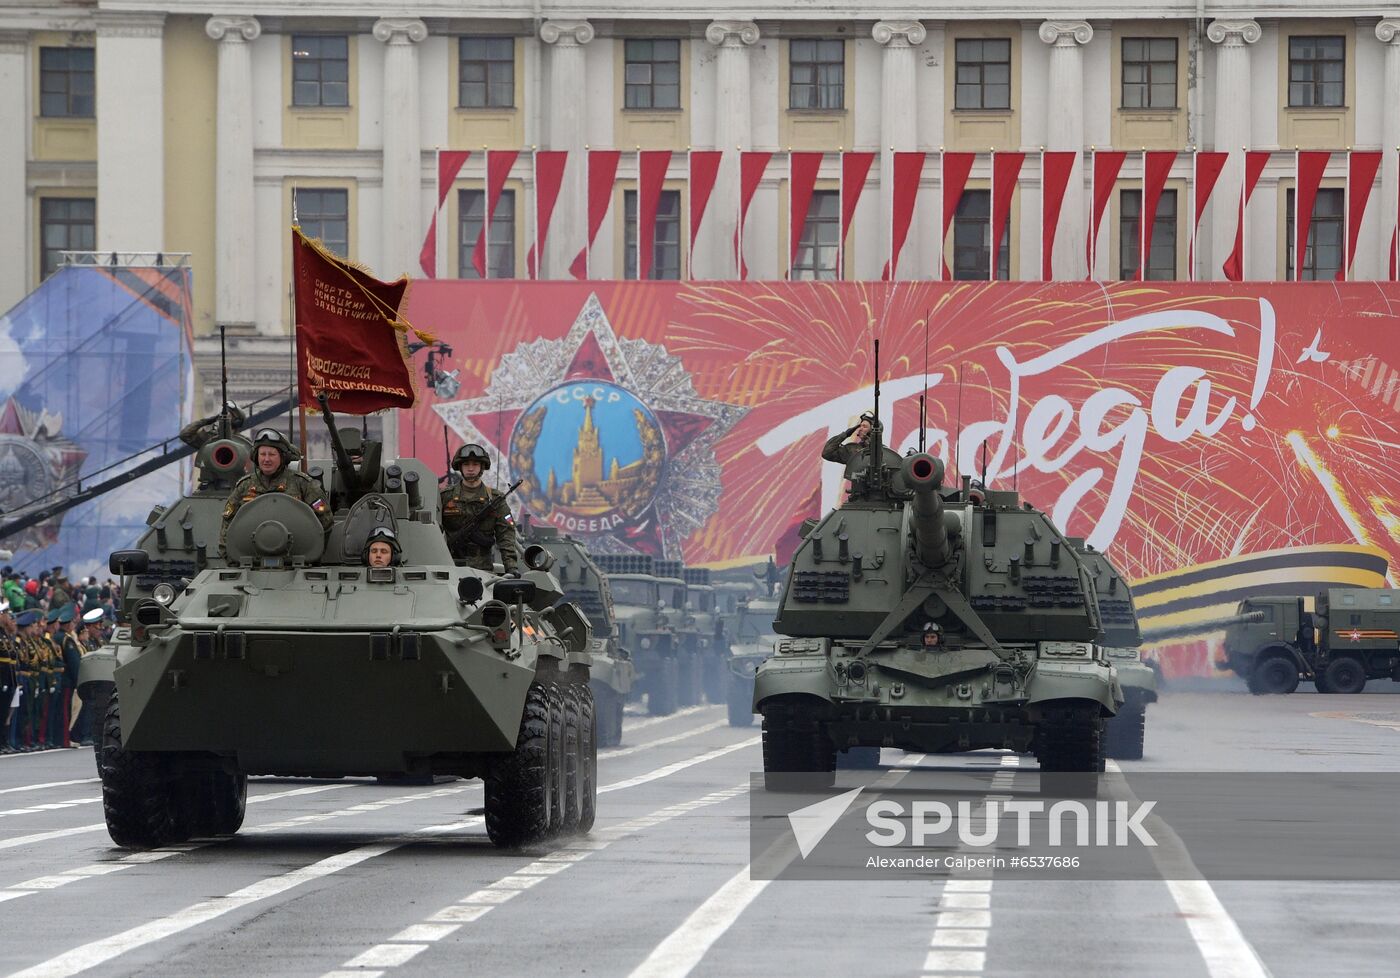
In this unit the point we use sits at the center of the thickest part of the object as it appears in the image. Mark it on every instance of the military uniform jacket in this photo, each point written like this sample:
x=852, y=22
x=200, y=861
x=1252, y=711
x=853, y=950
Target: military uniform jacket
x=460, y=506
x=837, y=449
x=8, y=669
x=294, y=484
x=72, y=659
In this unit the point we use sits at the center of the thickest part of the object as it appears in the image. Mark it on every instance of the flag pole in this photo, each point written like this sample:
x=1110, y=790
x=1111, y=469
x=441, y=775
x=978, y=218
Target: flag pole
x=486, y=214
x=296, y=380
x=992, y=220
x=1191, y=241
x=840, y=213
x=1346, y=222
x=1142, y=223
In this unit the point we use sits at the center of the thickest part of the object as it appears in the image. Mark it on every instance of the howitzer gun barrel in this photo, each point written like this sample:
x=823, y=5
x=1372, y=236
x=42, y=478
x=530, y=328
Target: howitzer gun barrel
x=1164, y=633
x=924, y=475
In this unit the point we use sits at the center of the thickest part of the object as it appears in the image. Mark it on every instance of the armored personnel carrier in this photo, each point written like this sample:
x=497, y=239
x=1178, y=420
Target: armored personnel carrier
x=612, y=675
x=702, y=604
x=644, y=629
x=753, y=642
x=934, y=620
x=290, y=656
x=1121, y=640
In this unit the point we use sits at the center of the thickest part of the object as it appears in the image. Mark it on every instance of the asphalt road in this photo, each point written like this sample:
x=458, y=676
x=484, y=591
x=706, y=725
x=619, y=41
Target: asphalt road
x=355, y=878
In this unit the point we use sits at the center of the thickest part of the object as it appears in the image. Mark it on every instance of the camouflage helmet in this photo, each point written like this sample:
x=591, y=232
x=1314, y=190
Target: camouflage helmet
x=382, y=534
x=471, y=453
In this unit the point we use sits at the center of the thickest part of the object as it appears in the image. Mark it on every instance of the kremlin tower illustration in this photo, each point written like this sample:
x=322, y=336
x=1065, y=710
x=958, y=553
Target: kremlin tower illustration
x=587, y=491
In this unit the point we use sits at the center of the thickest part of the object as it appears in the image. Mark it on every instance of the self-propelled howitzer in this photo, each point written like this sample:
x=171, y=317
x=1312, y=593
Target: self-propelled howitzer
x=936, y=620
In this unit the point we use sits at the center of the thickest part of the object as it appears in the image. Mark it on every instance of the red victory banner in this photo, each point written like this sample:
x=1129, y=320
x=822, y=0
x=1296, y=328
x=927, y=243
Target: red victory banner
x=350, y=337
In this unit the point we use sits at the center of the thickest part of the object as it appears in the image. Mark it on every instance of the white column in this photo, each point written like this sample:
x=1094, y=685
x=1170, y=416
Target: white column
x=1065, y=124
x=1388, y=33
x=130, y=78
x=899, y=121
x=568, y=114
x=403, y=221
x=733, y=132
x=1233, y=83
x=16, y=250
x=235, y=293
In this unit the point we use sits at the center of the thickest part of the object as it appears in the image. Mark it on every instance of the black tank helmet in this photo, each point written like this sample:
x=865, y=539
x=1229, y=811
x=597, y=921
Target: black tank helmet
x=471, y=453
x=382, y=534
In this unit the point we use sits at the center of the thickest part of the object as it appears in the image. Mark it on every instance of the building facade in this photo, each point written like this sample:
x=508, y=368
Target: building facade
x=182, y=126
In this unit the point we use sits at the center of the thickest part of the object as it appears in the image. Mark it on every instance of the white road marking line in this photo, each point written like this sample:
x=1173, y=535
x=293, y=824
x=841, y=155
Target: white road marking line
x=1222, y=945
x=608, y=753
x=651, y=721
x=50, y=784
x=49, y=807
x=387, y=956
x=670, y=769
x=97, y=952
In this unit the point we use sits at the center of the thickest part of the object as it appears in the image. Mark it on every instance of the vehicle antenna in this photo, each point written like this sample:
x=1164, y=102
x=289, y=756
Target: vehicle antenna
x=447, y=454
x=225, y=422
x=877, y=454
x=923, y=398
x=957, y=439
x=984, y=464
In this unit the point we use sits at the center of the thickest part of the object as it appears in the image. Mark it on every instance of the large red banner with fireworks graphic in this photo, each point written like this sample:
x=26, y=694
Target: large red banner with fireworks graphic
x=1215, y=439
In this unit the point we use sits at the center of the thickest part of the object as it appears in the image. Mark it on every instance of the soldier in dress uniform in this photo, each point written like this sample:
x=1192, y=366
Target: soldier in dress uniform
x=475, y=516
x=26, y=702
x=271, y=453
x=70, y=657
x=9, y=640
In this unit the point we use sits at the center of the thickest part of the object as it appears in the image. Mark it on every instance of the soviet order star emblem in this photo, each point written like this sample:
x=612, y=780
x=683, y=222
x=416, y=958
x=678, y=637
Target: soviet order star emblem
x=607, y=435
x=37, y=467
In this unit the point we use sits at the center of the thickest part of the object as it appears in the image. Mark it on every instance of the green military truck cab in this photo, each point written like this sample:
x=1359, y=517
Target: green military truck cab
x=1352, y=635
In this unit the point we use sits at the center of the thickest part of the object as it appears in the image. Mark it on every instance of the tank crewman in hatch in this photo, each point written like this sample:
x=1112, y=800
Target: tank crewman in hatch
x=381, y=548
x=474, y=516
x=271, y=453
x=201, y=431
x=837, y=449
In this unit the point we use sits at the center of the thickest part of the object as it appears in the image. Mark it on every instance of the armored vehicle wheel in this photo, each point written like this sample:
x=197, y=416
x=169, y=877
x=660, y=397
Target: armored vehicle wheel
x=740, y=702
x=661, y=688
x=558, y=758
x=607, y=707
x=587, y=768
x=98, y=695
x=713, y=670
x=219, y=801
x=1320, y=682
x=858, y=759
x=518, y=800
x=1276, y=675
x=573, y=759
x=795, y=742
x=689, y=691
x=1124, y=733
x=1070, y=738
x=1346, y=675
x=144, y=805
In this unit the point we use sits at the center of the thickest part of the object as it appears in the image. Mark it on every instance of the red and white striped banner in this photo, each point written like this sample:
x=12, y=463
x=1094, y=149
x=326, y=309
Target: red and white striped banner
x=704, y=168
x=1254, y=162
x=1056, y=167
x=1308, y=167
x=549, y=176
x=1006, y=170
x=449, y=164
x=498, y=166
x=1156, y=167
x=802, y=180
x=956, y=167
x=1107, y=166
x=602, y=174
x=855, y=167
x=1362, y=167
x=908, y=168
x=1206, y=169
x=752, y=164
x=651, y=176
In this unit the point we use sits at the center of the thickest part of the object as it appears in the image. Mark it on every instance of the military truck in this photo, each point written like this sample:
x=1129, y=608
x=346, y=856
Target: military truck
x=586, y=586
x=644, y=628
x=1126, y=731
x=702, y=603
x=675, y=593
x=934, y=620
x=291, y=657
x=753, y=642
x=1351, y=635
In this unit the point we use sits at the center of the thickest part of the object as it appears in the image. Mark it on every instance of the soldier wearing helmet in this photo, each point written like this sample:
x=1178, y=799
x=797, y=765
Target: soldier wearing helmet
x=475, y=516
x=381, y=548
x=201, y=431
x=271, y=453
x=838, y=449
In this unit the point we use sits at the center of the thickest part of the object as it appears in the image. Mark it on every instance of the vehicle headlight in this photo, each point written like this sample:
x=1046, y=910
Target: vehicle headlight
x=163, y=594
x=645, y=643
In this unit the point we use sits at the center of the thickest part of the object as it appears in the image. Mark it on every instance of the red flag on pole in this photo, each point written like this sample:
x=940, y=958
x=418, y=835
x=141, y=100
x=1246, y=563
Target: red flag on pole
x=1309, y=167
x=908, y=167
x=349, y=335
x=1106, y=168
x=498, y=166
x=704, y=168
x=956, y=167
x=651, y=176
x=1254, y=162
x=549, y=176
x=1055, y=169
x=855, y=167
x=1006, y=170
x=1395, y=229
x=802, y=179
x=751, y=167
x=1207, y=171
x=602, y=173
x=449, y=164
x=1155, y=168
x=1361, y=176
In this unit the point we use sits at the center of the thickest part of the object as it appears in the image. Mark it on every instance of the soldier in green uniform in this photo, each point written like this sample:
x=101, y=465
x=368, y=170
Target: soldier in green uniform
x=201, y=431
x=837, y=449
x=70, y=656
x=9, y=676
x=475, y=516
x=23, y=701
x=271, y=453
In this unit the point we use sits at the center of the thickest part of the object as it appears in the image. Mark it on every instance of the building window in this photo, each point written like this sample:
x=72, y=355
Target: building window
x=1316, y=71
x=1149, y=72
x=65, y=224
x=486, y=73
x=666, y=236
x=1322, y=257
x=816, y=74
x=65, y=83
x=500, y=240
x=1162, y=264
x=817, y=248
x=324, y=215
x=983, y=73
x=652, y=74
x=320, y=70
x=972, y=237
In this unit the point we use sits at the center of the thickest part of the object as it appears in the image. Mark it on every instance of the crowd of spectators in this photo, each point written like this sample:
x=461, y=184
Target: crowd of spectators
x=47, y=624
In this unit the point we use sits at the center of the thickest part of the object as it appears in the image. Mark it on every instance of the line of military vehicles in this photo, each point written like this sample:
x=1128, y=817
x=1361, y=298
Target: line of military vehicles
x=916, y=616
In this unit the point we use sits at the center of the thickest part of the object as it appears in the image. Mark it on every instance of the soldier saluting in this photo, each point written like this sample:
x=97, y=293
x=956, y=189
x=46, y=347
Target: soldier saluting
x=271, y=453
x=474, y=516
x=838, y=449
